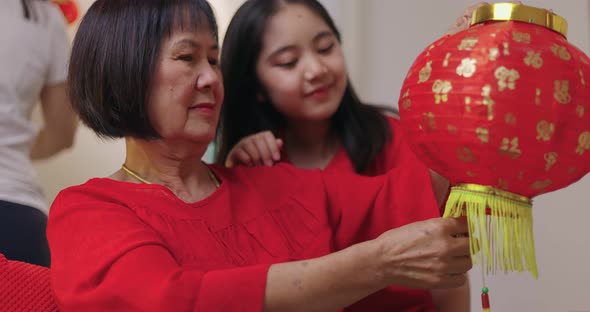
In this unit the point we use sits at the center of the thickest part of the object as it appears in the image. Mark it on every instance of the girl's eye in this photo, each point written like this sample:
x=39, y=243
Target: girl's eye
x=326, y=49
x=288, y=64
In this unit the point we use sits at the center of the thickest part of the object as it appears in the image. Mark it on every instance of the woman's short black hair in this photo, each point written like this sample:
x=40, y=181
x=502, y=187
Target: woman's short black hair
x=113, y=58
x=362, y=129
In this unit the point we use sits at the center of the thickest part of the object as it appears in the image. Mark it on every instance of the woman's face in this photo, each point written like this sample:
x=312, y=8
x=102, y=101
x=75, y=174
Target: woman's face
x=301, y=66
x=186, y=91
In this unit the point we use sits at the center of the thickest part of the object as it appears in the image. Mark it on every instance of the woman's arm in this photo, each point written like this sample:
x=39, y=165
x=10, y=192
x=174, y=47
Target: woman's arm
x=420, y=255
x=59, y=123
x=453, y=300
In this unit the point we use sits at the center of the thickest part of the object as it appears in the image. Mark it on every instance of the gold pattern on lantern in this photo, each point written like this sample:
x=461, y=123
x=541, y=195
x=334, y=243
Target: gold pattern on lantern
x=452, y=129
x=432, y=46
x=585, y=60
x=446, y=61
x=521, y=37
x=506, y=78
x=541, y=185
x=441, y=88
x=550, y=160
x=468, y=104
x=425, y=72
x=467, y=68
x=494, y=52
x=488, y=101
x=561, y=52
x=582, y=80
x=430, y=121
x=466, y=155
x=510, y=148
x=520, y=175
x=562, y=93
x=467, y=44
x=545, y=130
x=572, y=170
x=506, y=48
x=534, y=59
x=406, y=102
x=503, y=184
x=538, y=96
x=483, y=134
x=584, y=143
x=510, y=119
x=580, y=111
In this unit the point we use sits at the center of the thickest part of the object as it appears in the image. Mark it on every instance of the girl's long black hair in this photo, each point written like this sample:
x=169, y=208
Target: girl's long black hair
x=362, y=129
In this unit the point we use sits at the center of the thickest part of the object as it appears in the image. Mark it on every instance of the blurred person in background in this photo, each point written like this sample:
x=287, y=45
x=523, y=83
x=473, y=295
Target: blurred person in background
x=33, y=58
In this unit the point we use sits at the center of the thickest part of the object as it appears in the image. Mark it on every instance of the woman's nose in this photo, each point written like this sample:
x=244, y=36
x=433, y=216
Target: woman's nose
x=207, y=78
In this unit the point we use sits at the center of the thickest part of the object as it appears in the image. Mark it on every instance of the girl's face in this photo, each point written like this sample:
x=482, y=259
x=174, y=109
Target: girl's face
x=186, y=90
x=301, y=66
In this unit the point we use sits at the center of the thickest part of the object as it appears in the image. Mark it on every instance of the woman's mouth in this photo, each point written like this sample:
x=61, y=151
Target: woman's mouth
x=203, y=107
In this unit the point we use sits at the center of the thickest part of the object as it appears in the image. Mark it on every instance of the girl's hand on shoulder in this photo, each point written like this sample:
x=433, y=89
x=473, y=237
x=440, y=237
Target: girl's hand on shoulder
x=464, y=21
x=260, y=149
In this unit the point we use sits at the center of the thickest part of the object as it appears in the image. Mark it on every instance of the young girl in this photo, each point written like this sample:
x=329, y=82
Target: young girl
x=288, y=98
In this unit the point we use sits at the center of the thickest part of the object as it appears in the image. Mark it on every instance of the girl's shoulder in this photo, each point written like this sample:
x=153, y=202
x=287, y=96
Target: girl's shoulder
x=395, y=153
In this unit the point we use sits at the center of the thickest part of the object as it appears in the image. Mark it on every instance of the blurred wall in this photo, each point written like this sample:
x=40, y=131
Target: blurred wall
x=381, y=40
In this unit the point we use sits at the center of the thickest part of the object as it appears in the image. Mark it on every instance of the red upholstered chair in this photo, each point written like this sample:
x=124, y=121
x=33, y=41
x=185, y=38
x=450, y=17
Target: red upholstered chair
x=25, y=287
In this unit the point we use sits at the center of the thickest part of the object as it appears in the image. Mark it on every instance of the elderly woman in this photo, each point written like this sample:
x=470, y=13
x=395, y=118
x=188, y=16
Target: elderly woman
x=167, y=232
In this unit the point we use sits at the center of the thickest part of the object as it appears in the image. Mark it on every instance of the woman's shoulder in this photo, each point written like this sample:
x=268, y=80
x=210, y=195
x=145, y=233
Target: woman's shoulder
x=98, y=191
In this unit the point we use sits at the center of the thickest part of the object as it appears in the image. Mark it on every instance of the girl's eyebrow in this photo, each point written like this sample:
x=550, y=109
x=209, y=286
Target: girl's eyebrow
x=316, y=38
x=281, y=50
x=322, y=34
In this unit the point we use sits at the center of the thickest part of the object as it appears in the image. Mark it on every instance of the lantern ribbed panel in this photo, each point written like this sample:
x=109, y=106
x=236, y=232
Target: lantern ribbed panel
x=503, y=104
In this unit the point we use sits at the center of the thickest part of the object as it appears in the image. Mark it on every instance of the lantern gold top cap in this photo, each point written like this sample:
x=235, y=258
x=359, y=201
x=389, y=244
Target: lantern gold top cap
x=521, y=13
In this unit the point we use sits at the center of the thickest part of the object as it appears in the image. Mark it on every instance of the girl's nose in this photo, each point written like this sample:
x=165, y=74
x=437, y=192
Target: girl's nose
x=315, y=69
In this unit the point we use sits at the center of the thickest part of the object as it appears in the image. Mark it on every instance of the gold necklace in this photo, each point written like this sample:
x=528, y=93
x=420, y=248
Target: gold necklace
x=134, y=174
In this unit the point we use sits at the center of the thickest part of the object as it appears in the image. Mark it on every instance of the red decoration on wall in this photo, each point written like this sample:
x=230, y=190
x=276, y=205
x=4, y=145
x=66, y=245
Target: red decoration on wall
x=69, y=8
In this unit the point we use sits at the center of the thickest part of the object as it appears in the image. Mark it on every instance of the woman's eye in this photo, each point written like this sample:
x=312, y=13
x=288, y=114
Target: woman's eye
x=326, y=49
x=213, y=62
x=186, y=58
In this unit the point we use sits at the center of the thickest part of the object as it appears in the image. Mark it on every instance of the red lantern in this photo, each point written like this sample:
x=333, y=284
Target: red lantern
x=69, y=8
x=502, y=110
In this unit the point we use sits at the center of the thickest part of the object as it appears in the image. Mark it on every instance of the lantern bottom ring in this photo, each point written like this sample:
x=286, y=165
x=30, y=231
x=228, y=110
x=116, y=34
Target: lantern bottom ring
x=490, y=190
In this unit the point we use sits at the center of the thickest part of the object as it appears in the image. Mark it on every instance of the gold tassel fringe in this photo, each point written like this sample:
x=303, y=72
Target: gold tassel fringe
x=500, y=227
